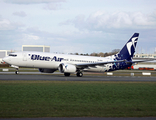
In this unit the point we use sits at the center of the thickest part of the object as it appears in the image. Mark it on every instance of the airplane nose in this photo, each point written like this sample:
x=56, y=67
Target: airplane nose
x=5, y=59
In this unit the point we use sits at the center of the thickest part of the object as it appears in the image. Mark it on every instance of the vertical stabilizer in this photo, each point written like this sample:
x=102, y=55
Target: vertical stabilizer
x=127, y=52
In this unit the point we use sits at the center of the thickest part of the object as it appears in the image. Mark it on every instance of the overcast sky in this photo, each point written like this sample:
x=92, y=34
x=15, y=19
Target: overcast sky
x=82, y=26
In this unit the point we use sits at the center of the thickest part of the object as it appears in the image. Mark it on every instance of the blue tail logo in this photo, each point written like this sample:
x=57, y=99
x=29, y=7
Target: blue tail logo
x=128, y=50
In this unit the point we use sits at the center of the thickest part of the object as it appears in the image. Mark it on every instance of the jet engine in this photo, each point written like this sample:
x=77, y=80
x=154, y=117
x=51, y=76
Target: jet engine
x=45, y=70
x=67, y=68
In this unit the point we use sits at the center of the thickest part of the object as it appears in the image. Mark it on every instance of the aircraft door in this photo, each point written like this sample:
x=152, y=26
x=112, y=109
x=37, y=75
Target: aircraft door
x=24, y=57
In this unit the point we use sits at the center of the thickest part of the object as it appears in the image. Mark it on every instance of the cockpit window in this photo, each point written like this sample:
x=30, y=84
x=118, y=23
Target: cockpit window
x=13, y=55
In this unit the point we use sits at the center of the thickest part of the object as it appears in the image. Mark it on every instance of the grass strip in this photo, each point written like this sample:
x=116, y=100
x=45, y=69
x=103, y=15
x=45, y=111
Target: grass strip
x=77, y=99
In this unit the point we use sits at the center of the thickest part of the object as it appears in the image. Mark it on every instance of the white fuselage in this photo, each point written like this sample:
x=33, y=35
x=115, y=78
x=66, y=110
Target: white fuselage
x=52, y=61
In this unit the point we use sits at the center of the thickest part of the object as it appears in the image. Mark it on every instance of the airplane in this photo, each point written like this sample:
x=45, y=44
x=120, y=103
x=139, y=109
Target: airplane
x=68, y=64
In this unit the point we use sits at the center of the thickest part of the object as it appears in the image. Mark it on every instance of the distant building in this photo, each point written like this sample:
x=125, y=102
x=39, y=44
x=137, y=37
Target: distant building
x=37, y=48
x=145, y=56
x=149, y=65
x=4, y=53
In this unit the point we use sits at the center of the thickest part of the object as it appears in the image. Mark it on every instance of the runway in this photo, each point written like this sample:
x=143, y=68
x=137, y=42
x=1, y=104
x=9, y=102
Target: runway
x=55, y=77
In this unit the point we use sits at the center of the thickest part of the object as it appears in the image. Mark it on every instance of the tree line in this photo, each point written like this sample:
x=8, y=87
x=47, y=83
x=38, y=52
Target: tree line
x=101, y=54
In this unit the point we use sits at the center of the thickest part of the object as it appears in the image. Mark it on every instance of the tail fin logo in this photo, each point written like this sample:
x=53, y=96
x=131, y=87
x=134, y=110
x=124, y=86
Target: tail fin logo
x=132, y=43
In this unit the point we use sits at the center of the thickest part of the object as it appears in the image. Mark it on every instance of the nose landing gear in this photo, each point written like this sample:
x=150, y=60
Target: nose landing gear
x=16, y=67
x=16, y=72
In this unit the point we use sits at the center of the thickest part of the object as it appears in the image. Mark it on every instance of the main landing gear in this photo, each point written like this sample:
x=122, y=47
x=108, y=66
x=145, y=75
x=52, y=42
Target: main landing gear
x=67, y=74
x=79, y=74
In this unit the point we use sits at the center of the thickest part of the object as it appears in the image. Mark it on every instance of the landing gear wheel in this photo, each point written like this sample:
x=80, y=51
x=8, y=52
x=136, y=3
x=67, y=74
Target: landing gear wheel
x=66, y=74
x=79, y=74
x=16, y=72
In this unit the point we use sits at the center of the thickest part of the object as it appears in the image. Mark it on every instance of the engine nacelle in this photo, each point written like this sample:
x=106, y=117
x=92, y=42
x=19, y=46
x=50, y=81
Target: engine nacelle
x=67, y=68
x=45, y=70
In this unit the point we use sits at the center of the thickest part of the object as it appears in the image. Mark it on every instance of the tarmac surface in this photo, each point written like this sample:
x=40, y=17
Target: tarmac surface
x=61, y=77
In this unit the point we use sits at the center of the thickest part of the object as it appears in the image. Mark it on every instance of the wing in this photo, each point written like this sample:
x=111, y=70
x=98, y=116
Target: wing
x=86, y=65
x=141, y=60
